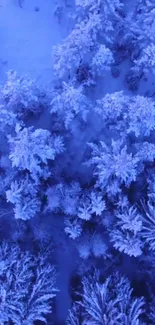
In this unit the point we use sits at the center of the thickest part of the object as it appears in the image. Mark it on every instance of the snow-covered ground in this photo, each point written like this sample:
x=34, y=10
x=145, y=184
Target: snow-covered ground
x=27, y=35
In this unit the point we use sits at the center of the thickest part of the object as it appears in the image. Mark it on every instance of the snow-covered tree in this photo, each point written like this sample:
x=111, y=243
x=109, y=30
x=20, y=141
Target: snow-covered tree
x=107, y=10
x=102, y=60
x=24, y=195
x=146, y=62
x=76, y=47
x=110, y=302
x=73, y=228
x=151, y=314
x=69, y=103
x=53, y=195
x=8, y=120
x=93, y=21
x=21, y=95
x=70, y=200
x=31, y=149
x=84, y=210
x=40, y=295
x=151, y=185
x=97, y=203
x=7, y=174
x=86, y=5
x=128, y=115
x=141, y=115
x=145, y=152
x=64, y=198
x=148, y=221
x=139, y=33
x=84, y=246
x=92, y=245
x=74, y=316
x=126, y=236
x=98, y=246
x=143, y=24
x=27, y=286
x=113, y=162
x=108, y=7
x=112, y=107
x=91, y=203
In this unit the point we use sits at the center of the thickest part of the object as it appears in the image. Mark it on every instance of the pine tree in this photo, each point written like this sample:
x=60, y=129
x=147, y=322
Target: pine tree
x=27, y=286
x=70, y=103
x=126, y=235
x=21, y=95
x=24, y=195
x=113, y=163
x=111, y=302
x=32, y=149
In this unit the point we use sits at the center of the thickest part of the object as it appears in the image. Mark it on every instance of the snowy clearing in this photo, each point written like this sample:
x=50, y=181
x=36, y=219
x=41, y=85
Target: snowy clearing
x=27, y=35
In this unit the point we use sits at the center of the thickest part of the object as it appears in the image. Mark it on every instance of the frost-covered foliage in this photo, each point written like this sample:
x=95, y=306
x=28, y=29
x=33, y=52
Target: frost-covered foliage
x=84, y=247
x=146, y=62
x=31, y=150
x=99, y=247
x=74, y=316
x=81, y=43
x=141, y=116
x=97, y=203
x=73, y=228
x=108, y=7
x=110, y=302
x=27, y=286
x=112, y=106
x=84, y=210
x=69, y=199
x=148, y=220
x=7, y=174
x=94, y=245
x=151, y=314
x=140, y=32
x=126, y=236
x=127, y=114
x=21, y=95
x=76, y=47
x=70, y=102
x=91, y=203
x=64, y=197
x=145, y=152
x=143, y=25
x=24, y=195
x=107, y=10
x=102, y=60
x=8, y=120
x=113, y=162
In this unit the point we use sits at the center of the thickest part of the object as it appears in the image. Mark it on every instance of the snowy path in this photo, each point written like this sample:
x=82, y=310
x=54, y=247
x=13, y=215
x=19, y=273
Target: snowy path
x=66, y=261
x=66, y=265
